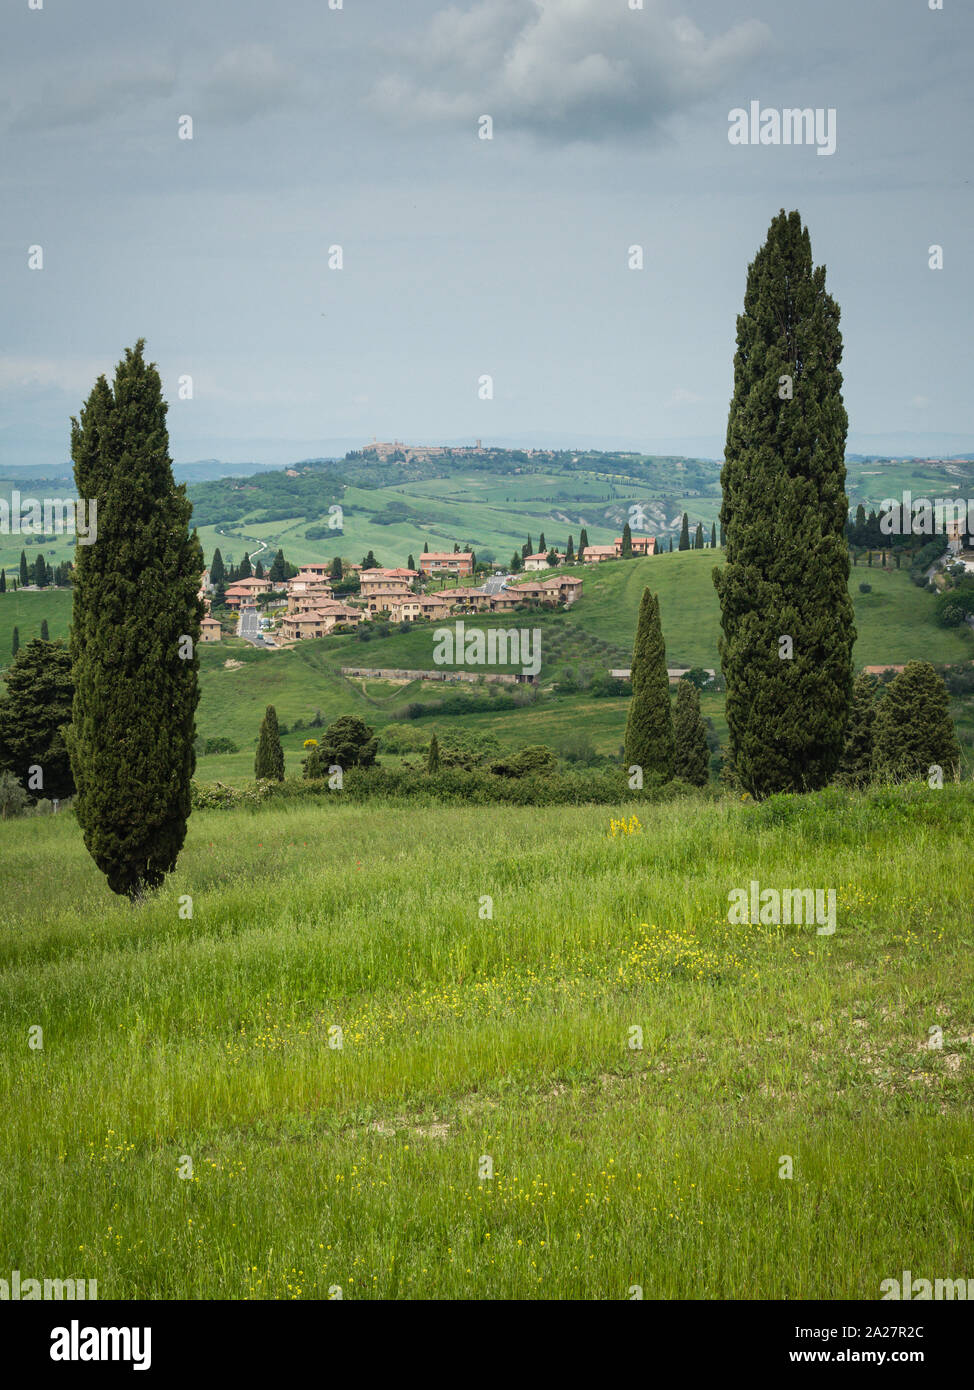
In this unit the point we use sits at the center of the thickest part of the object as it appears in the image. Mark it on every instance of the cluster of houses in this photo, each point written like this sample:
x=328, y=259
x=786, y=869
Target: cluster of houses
x=313, y=611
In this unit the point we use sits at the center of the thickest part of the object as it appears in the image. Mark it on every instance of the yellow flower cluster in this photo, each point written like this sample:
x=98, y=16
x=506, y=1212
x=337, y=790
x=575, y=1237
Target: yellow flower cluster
x=624, y=827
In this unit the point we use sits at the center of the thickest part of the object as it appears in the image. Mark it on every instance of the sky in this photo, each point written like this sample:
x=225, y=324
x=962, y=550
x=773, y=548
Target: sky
x=360, y=128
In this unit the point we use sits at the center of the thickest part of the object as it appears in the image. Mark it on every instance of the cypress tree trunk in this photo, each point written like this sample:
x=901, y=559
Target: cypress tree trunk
x=691, y=754
x=649, y=727
x=135, y=635
x=784, y=512
x=269, y=762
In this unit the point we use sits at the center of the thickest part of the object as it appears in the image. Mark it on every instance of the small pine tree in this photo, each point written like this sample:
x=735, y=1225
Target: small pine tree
x=913, y=731
x=685, y=533
x=649, y=727
x=855, y=767
x=691, y=754
x=433, y=760
x=45, y=631
x=269, y=762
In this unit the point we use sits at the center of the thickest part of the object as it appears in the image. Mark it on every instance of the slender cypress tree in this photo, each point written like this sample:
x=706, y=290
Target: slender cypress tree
x=570, y=552
x=627, y=542
x=685, y=533
x=692, y=756
x=410, y=563
x=45, y=631
x=24, y=572
x=433, y=760
x=913, y=730
x=542, y=548
x=33, y=712
x=649, y=727
x=698, y=537
x=582, y=541
x=269, y=762
x=278, y=569
x=135, y=634
x=245, y=571
x=259, y=570
x=336, y=570
x=786, y=612
x=713, y=536
x=426, y=547
x=855, y=767
x=40, y=572
x=3, y=581
x=15, y=642
x=218, y=576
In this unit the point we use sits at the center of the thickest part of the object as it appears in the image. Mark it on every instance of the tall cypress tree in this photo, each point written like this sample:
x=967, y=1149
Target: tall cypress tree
x=15, y=642
x=570, y=552
x=278, y=570
x=649, y=727
x=627, y=542
x=269, y=762
x=218, y=575
x=410, y=563
x=685, y=533
x=913, y=730
x=34, y=710
x=855, y=767
x=245, y=571
x=45, y=631
x=691, y=754
x=135, y=634
x=542, y=548
x=24, y=572
x=3, y=581
x=582, y=542
x=698, y=537
x=786, y=613
x=713, y=536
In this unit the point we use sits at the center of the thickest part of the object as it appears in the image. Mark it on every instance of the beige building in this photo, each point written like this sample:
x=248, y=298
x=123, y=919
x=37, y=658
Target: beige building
x=210, y=630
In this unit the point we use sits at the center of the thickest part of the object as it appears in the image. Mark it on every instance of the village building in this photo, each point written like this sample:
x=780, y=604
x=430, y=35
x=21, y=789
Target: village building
x=319, y=620
x=641, y=545
x=442, y=562
x=540, y=561
x=210, y=630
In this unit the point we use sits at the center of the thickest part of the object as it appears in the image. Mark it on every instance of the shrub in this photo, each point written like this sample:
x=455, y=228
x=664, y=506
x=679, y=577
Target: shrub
x=219, y=745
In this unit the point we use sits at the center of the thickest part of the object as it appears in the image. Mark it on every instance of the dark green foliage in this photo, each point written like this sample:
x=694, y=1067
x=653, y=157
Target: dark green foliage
x=685, y=533
x=245, y=571
x=410, y=563
x=40, y=572
x=269, y=762
x=219, y=745
x=649, y=727
x=45, y=631
x=582, y=541
x=533, y=761
x=516, y=562
x=433, y=758
x=627, y=542
x=278, y=569
x=135, y=635
x=34, y=711
x=570, y=553
x=349, y=742
x=913, y=731
x=855, y=767
x=336, y=569
x=691, y=758
x=3, y=581
x=542, y=546
x=24, y=572
x=713, y=536
x=259, y=570
x=369, y=562
x=698, y=537
x=15, y=642
x=784, y=513
x=218, y=574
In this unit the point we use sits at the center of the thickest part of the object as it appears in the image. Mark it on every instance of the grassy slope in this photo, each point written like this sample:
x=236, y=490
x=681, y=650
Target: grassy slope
x=506, y=1038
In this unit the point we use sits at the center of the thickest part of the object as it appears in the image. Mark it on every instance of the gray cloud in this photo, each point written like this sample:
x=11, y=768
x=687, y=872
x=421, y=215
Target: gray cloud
x=572, y=68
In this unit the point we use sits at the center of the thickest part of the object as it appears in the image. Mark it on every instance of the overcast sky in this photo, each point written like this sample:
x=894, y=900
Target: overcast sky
x=358, y=127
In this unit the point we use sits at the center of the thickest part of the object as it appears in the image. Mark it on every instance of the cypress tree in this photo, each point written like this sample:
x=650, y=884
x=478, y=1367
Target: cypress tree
x=570, y=553
x=269, y=762
x=527, y=550
x=3, y=581
x=40, y=572
x=691, y=754
x=426, y=547
x=410, y=563
x=218, y=573
x=245, y=571
x=45, y=631
x=698, y=537
x=542, y=548
x=671, y=545
x=685, y=533
x=336, y=570
x=582, y=542
x=713, y=536
x=34, y=712
x=259, y=570
x=627, y=542
x=649, y=727
x=855, y=767
x=784, y=511
x=24, y=573
x=278, y=569
x=516, y=562
x=15, y=642
x=433, y=760
x=135, y=634
x=913, y=730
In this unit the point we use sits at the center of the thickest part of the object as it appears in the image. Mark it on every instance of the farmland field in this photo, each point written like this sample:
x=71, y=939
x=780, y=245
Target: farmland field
x=500, y=1045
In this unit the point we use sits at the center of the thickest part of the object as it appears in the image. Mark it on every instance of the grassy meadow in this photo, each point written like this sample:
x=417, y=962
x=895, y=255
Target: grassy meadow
x=475, y=1044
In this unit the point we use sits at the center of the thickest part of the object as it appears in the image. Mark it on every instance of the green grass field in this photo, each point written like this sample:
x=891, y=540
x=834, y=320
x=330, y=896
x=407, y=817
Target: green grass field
x=475, y=1046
